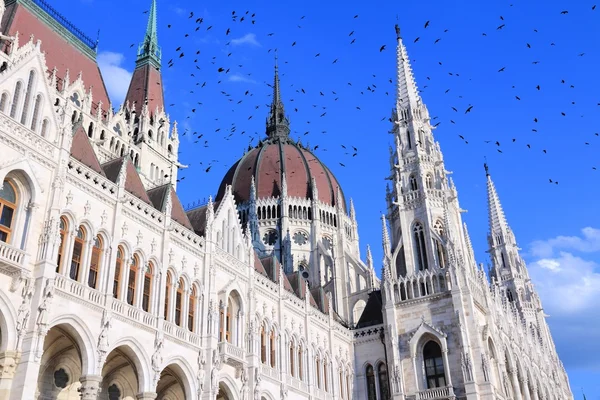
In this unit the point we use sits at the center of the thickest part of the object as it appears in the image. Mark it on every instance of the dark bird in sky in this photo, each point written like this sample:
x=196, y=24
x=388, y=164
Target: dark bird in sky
x=382, y=48
x=564, y=12
x=426, y=24
x=417, y=39
x=468, y=110
x=500, y=27
x=501, y=69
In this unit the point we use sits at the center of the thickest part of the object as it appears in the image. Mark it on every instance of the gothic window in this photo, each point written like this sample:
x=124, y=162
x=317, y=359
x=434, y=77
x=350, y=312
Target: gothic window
x=91, y=130
x=384, y=389
x=429, y=181
x=77, y=254
x=273, y=348
x=117, y=277
x=413, y=183
x=263, y=345
x=131, y=282
x=75, y=99
x=16, y=98
x=179, y=302
x=348, y=390
x=61, y=378
x=503, y=260
x=300, y=238
x=440, y=253
x=168, y=288
x=509, y=295
x=61, y=248
x=36, y=112
x=318, y=371
x=192, y=309
x=44, y=130
x=439, y=228
x=270, y=237
x=95, y=263
x=24, y=114
x=3, y=101
x=147, y=289
x=408, y=142
x=300, y=363
x=342, y=394
x=118, y=130
x=8, y=205
x=434, y=365
x=292, y=364
x=114, y=393
x=327, y=243
x=420, y=249
x=325, y=375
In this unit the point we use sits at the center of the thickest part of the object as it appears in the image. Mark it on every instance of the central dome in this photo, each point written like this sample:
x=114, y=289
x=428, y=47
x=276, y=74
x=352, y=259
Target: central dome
x=280, y=156
x=273, y=159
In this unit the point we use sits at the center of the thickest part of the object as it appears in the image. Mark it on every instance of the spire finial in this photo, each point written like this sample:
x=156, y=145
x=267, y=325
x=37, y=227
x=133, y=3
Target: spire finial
x=485, y=165
x=277, y=123
x=149, y=47
x=408, y=93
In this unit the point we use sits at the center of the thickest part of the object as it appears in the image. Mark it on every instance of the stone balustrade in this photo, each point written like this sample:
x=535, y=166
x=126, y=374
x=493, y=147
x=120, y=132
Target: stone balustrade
x=436, y=394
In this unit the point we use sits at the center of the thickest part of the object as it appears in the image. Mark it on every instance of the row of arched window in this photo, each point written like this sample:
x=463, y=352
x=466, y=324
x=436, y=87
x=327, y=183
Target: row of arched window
x=84, y=259
x=414, y=184
x=156, y=174
x=25, y=106
x=420, y=247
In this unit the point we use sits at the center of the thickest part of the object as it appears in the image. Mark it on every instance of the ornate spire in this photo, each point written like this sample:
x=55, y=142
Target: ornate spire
x=408, y=93
x=387, y=248
x=277, y=123
x=497, y=220
x=149, y=49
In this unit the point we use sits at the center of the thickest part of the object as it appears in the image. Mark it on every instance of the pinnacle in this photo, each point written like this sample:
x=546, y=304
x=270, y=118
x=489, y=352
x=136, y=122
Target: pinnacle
x=149, y=47
x=408, y=93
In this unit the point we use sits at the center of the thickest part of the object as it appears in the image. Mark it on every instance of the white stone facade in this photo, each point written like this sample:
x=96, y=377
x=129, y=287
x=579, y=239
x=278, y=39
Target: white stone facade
x=104, y=296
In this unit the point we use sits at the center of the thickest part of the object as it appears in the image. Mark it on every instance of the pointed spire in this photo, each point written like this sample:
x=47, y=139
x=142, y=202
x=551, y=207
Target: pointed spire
x=408, y=93
x=387, y=248
x=122, y=172
x=497, y=220
x=277, y=123
x=369, y=257
x=252, y=190
x=149, y=49
x=352, y=211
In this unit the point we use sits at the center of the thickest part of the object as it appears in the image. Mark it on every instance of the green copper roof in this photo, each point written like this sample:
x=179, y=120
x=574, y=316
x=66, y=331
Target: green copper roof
x=149, y=49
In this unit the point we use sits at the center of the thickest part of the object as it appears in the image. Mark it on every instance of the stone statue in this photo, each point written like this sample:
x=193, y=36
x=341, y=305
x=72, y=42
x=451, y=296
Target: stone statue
x=157, y=359
x=42, y=319
x=103, y=344
x=24, y=309
x=244, y=380
x=257, y=386
x=201, y=372
x=485, y=367
x=397, y=377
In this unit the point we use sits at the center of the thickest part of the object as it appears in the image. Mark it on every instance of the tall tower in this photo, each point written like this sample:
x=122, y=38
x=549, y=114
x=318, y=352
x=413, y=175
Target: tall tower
x=508, y=268
x=423, y=209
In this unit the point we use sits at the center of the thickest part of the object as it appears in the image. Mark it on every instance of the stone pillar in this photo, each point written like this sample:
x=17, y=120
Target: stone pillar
x=146, y=396
x=8, y=365
x=525, y=386
x=86, y=259
x=447, y=367
x=90, y=387
x=515, y=384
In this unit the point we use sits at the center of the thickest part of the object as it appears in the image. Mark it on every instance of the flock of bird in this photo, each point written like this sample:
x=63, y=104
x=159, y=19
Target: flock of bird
x=187, y=58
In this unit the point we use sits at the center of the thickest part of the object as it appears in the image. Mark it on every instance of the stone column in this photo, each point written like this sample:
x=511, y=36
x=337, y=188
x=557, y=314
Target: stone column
x=8, y=365
x=67, y=255
x=446, y=368
x=515, y=384
x=86, y=259
x=90, y=387
x=146, y=396
x=525, y=386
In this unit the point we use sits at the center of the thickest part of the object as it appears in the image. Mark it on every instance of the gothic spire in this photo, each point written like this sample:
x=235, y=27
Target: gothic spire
x=408, y=93
x=277, y=123
x=497, y=220
x=387, y=248
x=149, y=49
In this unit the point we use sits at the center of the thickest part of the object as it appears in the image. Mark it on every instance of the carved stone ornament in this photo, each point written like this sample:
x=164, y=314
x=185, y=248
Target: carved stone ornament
x=87, y=208
x=103, y=343
x=124, y=229
x=157, y=359
x=42, y=319
x=103, y=218
x=24, y=309
x=69, y=198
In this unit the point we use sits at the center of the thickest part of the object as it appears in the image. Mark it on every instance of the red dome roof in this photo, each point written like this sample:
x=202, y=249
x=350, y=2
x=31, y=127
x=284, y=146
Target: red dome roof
x=269, y=161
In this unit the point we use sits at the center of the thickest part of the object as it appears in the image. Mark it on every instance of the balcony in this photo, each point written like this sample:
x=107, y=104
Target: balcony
x=232, y=355
x=12, y=260
x=436, y=394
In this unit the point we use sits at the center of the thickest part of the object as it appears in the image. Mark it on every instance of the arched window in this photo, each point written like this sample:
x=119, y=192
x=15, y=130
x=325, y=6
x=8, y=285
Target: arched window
x=44, y=130
x=348, y=389
x=408, y=141
x=371, y=388
x=413, y=183
x=132, y=280
x=509, y=295
x=8, y=205
x=384, y=389
x=117, y=277
x=273, y=348
x=168, y=288
x=3, y=101
x=36, y=112
x=318, y=372
x=16, y=98
x=147, y=290
x=420, y=249
x=77, y=254
x=192, y=309
x=263, y=345
x=24, y=114
x=91, y=130
x=325, y=374
x=95, y=263
x=429, y=181
x=63, y=234
x=292, y=364
x=178, y=302
x=114, y=393
x=434, y=365
x=300, y=363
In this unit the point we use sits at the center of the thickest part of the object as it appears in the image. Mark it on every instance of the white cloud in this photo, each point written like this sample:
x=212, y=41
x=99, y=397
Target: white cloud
x=568, y=283
x=590, y=242
x=116, y=78
x=240, y=78
x=249, y=38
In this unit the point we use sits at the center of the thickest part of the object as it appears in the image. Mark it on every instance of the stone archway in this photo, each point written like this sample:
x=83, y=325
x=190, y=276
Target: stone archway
x=120, y=375
x=60, y=366
x=172, y=384
x=225, y=392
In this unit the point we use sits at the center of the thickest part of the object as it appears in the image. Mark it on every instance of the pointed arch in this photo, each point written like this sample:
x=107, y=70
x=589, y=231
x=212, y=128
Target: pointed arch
x=184, y=374
x=133, y=350
x=8, y=324
x=76, y=327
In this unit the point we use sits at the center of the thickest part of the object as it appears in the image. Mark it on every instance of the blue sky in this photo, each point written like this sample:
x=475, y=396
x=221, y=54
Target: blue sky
x=557, y=226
